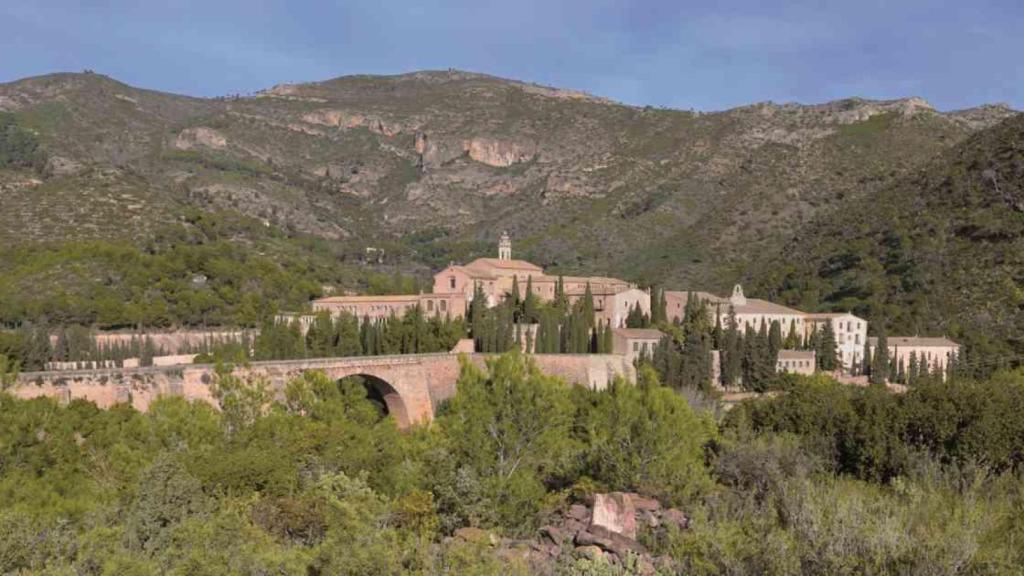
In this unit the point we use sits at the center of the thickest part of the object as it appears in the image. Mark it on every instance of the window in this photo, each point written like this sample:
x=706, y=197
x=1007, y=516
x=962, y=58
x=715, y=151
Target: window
x=442, y=305
x=430, y=305
x=856, y=339
x=636, y=346
x=451, y=282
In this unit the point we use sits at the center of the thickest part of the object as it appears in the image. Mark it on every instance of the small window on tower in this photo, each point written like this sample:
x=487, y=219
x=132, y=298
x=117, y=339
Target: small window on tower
x=451, y=282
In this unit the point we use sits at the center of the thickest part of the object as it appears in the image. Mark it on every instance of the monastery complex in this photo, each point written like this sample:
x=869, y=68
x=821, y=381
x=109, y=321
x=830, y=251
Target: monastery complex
x=454, y=287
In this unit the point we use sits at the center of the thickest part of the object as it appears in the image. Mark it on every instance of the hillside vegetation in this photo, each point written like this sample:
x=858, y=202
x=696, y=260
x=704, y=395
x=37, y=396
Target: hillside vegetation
x=827, y=479
x=99, y=179
x=941, y=251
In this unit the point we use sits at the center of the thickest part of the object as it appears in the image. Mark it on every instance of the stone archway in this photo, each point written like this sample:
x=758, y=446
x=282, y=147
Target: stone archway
x=384, y=394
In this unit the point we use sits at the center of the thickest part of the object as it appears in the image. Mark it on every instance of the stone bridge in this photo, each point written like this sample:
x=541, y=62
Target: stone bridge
x=412, y=385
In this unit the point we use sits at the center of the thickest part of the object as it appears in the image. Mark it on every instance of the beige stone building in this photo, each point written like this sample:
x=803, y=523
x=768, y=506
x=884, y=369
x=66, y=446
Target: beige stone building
x=796, y=361
x=936, y=352
x=750, y=312
x=375, y=307
x=498, y=276
x=635, y=342
x=455, y=285
x=851, y=333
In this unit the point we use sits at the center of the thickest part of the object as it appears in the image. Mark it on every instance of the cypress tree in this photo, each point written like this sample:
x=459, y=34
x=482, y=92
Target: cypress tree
x=775, y=339
x=608, y=336
x=588, y=307
x=530, y=302
x=561, y=301
x=516, y=298
x=792, y=339
x=826, y=349
x=914, y=370
x=893, y=368
x=730, y=353
x=717, y=335
x=865, y=367
x=880, y=361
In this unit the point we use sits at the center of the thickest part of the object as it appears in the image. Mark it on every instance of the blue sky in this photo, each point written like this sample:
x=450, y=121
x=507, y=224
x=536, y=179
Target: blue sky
x=705, y=55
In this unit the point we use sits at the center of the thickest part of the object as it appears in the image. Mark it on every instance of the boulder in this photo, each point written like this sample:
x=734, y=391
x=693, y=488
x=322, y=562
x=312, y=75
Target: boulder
x=608, y=541
x=614, y=512
x=641, y=503
x=552, y=534
x=674, y=516
x=476, y=535
x=579, y=513
x=591, y=552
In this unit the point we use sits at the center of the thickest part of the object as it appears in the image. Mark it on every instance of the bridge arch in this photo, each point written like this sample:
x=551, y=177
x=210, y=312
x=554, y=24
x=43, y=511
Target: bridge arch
x=384, y=394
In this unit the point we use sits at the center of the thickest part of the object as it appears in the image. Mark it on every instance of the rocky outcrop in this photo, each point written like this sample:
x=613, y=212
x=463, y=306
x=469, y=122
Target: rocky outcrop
x=499, y=153
x=607, y=528
x=345, y=120
x=436, y=152
x=614, y=512
x=200, y=137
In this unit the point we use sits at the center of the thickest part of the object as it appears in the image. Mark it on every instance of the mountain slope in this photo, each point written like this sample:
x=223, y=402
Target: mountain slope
x=939, y=252
x=431, y=166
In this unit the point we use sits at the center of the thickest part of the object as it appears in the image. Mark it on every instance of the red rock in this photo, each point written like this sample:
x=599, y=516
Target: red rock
x=641, y=503
x=579, y=512
x=552, y=534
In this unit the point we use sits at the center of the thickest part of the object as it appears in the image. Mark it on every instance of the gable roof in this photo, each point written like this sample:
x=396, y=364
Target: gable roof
x=475, y=273
x=753, y=305
x=916, y=341
x=504, y=264
x=367, y=298
x=640, y=333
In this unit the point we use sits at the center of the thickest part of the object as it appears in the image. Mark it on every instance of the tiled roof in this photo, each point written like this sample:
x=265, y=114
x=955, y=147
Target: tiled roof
x=916, y=341
x=475, y=273
x=361, y=299
x=796, y=354
x=504, y=264
x=641, y=333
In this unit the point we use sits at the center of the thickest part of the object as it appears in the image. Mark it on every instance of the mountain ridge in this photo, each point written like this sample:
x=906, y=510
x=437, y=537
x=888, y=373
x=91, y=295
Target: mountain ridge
x=431, y=166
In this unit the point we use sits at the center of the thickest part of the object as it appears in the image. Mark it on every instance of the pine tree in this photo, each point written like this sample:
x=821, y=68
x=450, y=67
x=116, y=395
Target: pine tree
x=347, y=342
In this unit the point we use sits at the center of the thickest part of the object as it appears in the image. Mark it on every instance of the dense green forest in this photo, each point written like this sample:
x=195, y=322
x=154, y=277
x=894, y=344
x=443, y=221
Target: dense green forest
x=198, y=272
x=822, y=479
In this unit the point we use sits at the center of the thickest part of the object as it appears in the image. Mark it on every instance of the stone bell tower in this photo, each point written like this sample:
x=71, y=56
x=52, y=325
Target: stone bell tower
x=737, y=298
x=505, y=247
